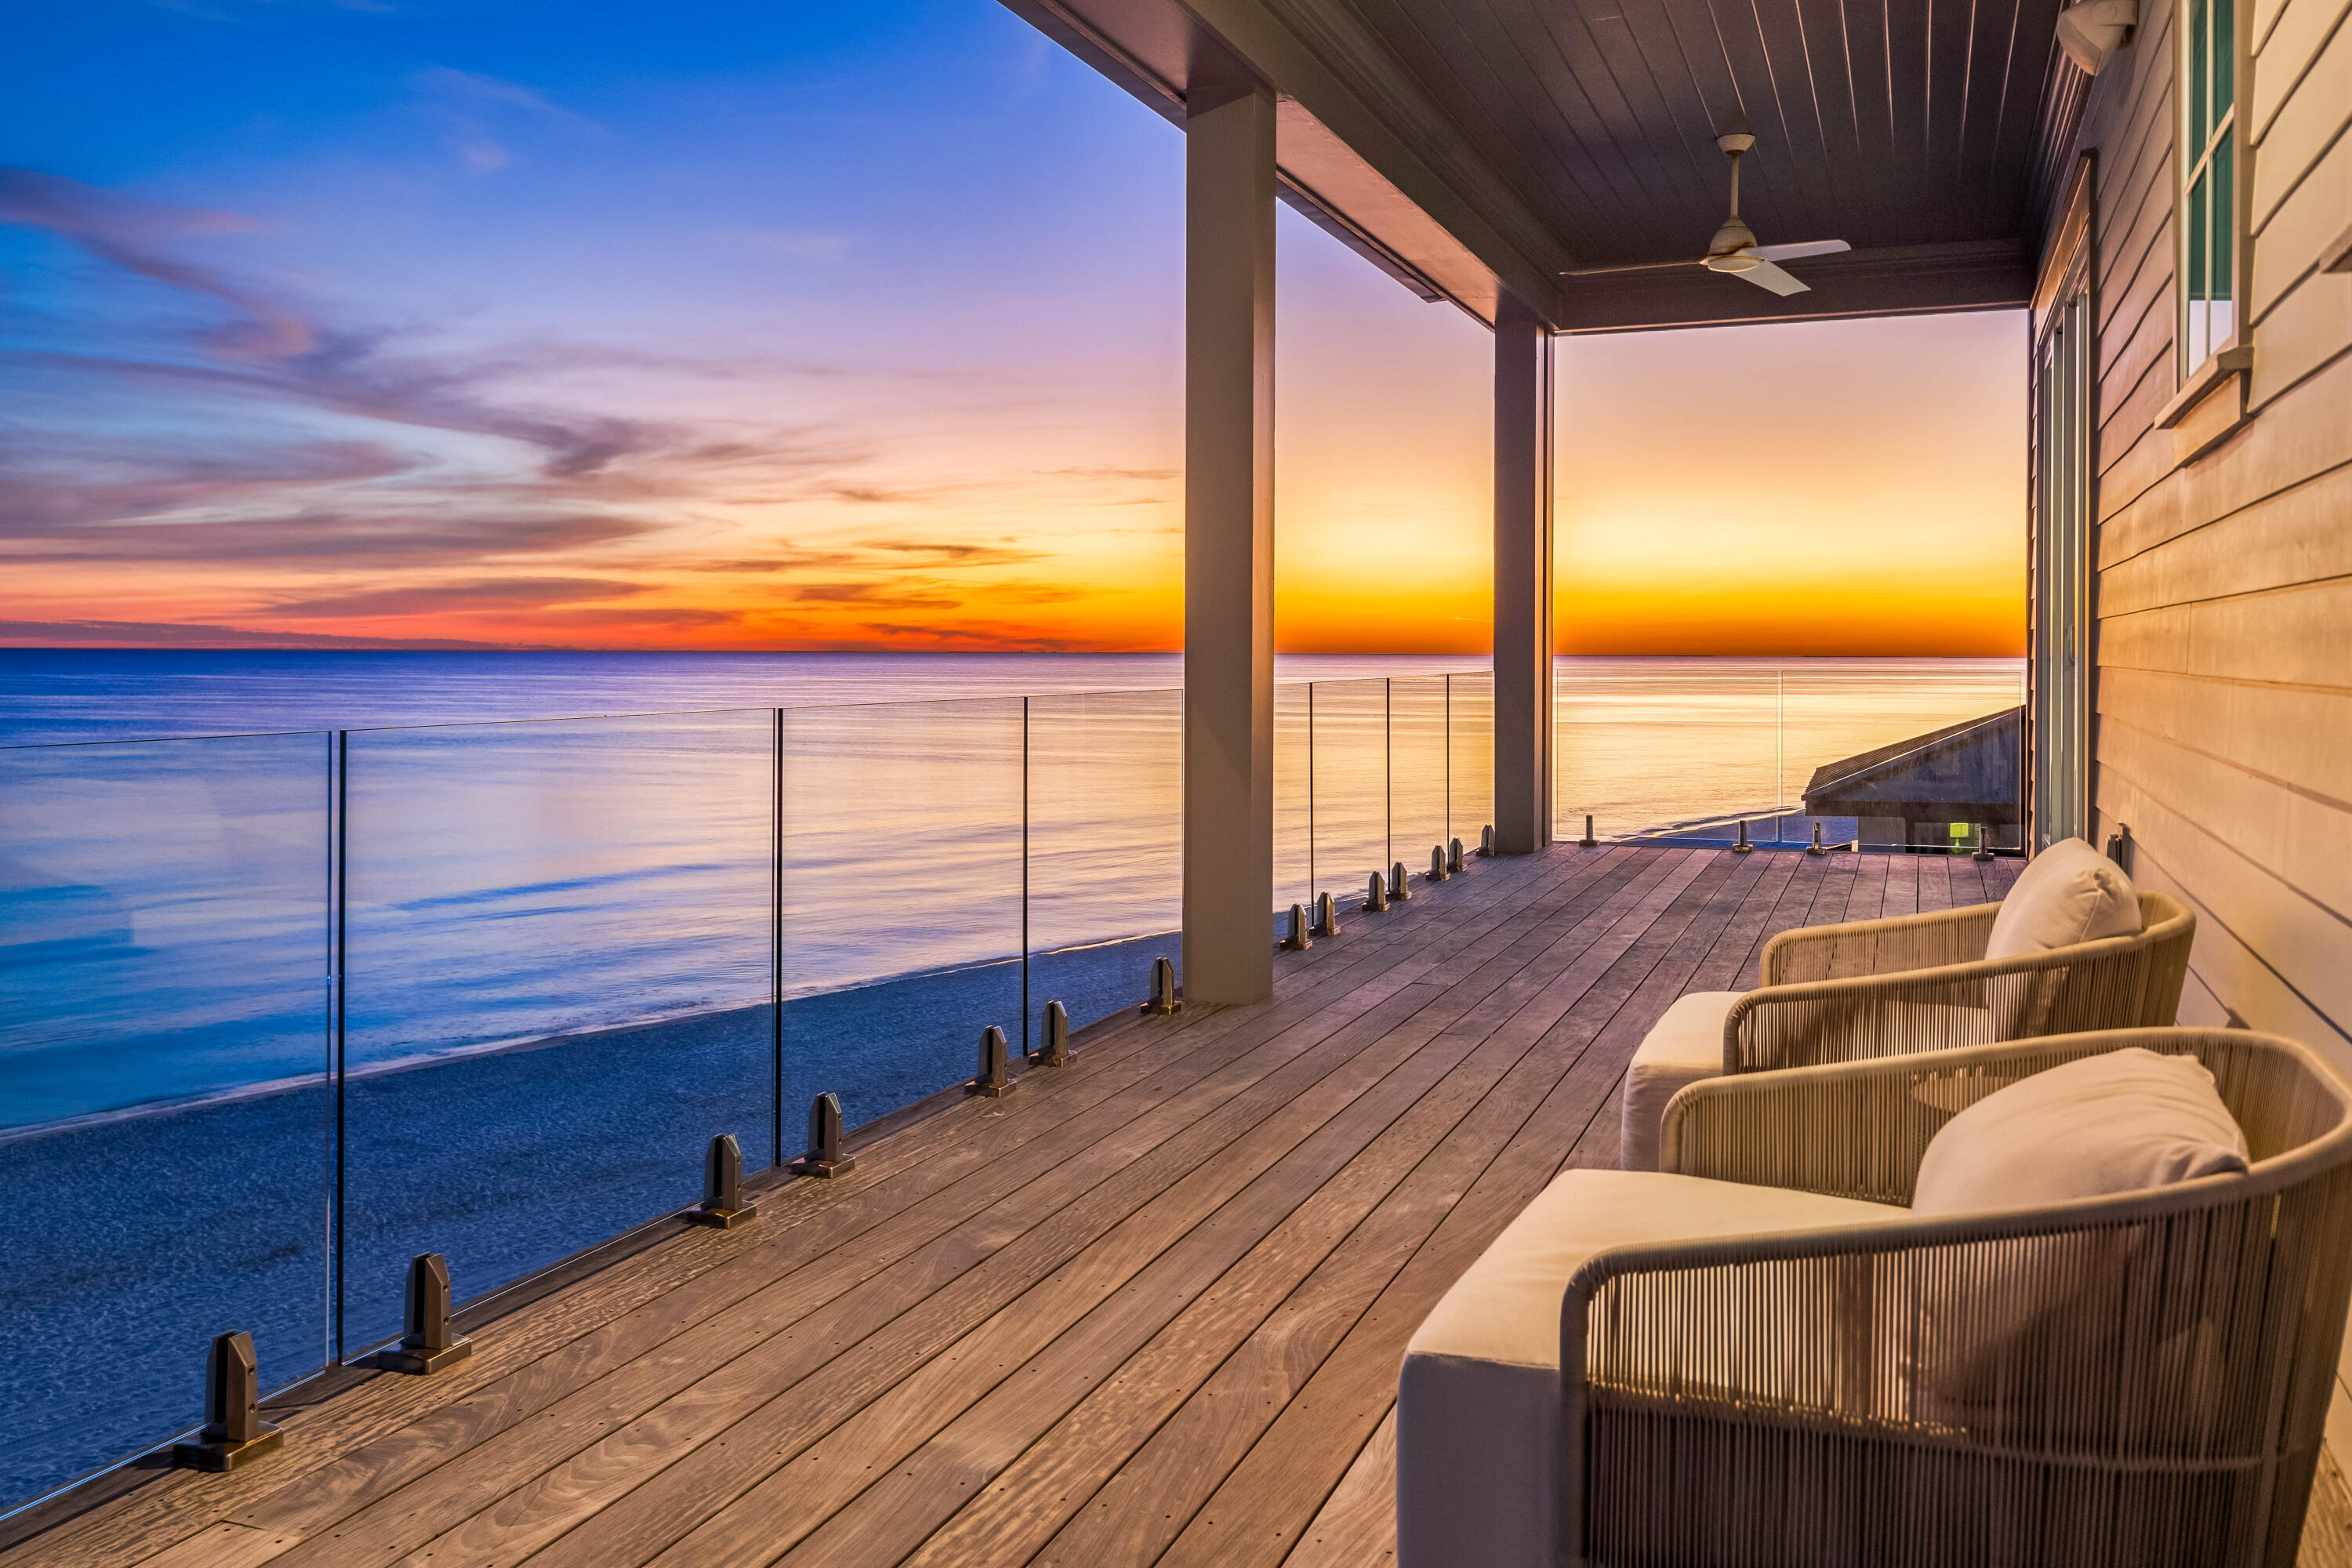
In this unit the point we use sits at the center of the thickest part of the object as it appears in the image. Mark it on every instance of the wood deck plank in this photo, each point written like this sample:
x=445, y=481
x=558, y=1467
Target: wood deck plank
x=1902, y=885
x=1793, y=910
x=1935, y=882
x=1869, y=888
x=1719, y=971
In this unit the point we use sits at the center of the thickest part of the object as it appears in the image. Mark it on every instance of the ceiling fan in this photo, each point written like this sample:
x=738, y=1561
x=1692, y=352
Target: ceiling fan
x=1734, y=250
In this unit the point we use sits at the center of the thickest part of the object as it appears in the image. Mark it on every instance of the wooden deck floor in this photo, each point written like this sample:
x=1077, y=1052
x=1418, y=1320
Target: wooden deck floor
x=1148, y=1309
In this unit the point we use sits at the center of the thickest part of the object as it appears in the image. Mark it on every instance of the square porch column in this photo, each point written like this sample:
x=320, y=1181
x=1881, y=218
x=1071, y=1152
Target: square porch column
x=1523, y=581
x=1229, y=198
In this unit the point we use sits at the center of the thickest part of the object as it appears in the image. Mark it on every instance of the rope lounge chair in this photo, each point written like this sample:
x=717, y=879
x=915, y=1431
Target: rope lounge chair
x=1924, y=983
x=1764, y=1358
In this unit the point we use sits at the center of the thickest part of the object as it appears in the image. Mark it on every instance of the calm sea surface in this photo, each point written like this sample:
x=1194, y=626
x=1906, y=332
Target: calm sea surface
x=574, y=948
x=538, y=844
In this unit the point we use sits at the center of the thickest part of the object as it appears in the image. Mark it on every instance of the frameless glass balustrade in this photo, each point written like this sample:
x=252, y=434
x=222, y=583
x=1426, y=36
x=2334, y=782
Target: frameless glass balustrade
x=558, y=986
x=166, y=1102
x=282, y=1012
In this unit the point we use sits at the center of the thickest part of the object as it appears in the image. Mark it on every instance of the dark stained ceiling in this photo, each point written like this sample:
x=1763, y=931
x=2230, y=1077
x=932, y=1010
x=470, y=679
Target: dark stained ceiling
x=1548, y=137
x=1882, y=122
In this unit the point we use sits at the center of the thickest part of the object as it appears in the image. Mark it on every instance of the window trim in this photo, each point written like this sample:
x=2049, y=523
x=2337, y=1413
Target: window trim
x=2232, y=352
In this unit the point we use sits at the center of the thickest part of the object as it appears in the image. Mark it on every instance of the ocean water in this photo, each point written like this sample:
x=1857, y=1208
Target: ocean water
x=595, y=907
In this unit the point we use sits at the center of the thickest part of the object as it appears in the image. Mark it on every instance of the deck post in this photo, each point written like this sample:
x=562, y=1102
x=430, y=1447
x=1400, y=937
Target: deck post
x=1229, y=201
x=1523, y=590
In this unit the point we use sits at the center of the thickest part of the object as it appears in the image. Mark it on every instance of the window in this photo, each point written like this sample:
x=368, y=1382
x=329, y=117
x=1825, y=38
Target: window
x=2208, y=206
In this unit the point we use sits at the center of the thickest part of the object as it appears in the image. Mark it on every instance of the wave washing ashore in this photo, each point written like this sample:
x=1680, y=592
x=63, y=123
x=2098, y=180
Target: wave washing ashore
x=561, y=945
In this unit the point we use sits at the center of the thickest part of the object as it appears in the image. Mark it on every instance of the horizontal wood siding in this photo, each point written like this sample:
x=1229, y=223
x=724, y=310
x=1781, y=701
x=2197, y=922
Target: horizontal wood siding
x=2224, y=585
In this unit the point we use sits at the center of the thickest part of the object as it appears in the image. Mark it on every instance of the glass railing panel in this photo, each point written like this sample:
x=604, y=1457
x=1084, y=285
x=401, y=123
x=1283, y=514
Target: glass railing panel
x=1351, y=803
x=558, y=987
x=166, y=1127
x=1920, y=754
x=1682, y=749
x=1418, y=758
x=1106, y=849
x=1294, y=802
x=901, y=900
x=1470, y=756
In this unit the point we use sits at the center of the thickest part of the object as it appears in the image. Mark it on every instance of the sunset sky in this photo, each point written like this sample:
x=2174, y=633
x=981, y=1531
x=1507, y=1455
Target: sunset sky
x=803, y=326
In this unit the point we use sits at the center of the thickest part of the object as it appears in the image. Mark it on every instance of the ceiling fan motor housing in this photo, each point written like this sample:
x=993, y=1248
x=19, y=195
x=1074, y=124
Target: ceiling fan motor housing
x=1733, y=236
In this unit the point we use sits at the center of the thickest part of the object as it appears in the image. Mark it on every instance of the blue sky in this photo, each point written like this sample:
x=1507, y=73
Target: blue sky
x=779, y=325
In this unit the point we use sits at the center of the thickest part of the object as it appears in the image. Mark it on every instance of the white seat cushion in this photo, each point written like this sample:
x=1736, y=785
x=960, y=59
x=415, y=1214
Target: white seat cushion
x=1478, y=1401
x=1684, y=1047
x=2069, y=893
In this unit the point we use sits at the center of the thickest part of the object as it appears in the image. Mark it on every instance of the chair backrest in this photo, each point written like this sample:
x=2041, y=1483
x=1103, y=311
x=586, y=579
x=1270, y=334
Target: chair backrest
x=2118, y=982
x=2282, y=1101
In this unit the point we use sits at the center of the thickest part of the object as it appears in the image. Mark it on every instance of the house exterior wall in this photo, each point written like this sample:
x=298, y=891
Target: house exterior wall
x=2222, y=600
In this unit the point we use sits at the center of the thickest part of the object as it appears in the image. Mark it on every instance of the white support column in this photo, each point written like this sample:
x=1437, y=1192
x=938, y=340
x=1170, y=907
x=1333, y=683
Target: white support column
x=1229, y=545
x=1523, y=583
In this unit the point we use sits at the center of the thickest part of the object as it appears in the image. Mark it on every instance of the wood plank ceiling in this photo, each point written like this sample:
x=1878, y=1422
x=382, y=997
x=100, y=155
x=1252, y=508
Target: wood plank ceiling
x=1882, y=122
x=1551, y=138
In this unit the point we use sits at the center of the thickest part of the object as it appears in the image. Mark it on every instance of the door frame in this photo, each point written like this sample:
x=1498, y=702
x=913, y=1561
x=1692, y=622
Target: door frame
x=2065, y=292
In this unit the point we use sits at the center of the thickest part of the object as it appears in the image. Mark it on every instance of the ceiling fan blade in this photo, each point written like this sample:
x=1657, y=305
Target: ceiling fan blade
x=1764, y=275
x=1798, y=251
x=1626, y=266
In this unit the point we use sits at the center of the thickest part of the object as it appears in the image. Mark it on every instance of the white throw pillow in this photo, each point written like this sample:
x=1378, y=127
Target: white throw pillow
x=1997, y=1316
x=2111, y=1123
x=2069, y=893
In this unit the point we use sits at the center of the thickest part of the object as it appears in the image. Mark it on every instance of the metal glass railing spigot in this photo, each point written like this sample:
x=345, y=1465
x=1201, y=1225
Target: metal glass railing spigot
x=996, y=1077
x=1743, y=847
x=234, y=1434
x=1054, y=1050
x=1162, y=1000
x=1400, y=889
x=429, y=1342
x=722, y=1206
x=1437, y=869
x=1376, y=896
x=1452, y=857
x=1295, y=938
x=1327, y=916
x=1486, y=842
x=1588, y=841
x=827, y=1155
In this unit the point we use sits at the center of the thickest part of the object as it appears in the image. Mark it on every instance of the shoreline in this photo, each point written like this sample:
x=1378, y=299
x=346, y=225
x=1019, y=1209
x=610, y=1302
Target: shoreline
x=444, y=1056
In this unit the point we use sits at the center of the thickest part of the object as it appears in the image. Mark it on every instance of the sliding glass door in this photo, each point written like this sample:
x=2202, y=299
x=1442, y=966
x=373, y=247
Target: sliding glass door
x=2061, y=753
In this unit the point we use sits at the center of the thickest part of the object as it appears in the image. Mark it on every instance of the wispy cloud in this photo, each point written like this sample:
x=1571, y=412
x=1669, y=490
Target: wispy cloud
x=177, y=634
x=137, y=236
x=442, y=598
x=466, y=104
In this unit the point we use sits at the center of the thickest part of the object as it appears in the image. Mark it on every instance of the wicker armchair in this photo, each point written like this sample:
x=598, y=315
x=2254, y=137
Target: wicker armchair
x=1833, y=1384
x=1803, y=1399
x=1899, y=986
